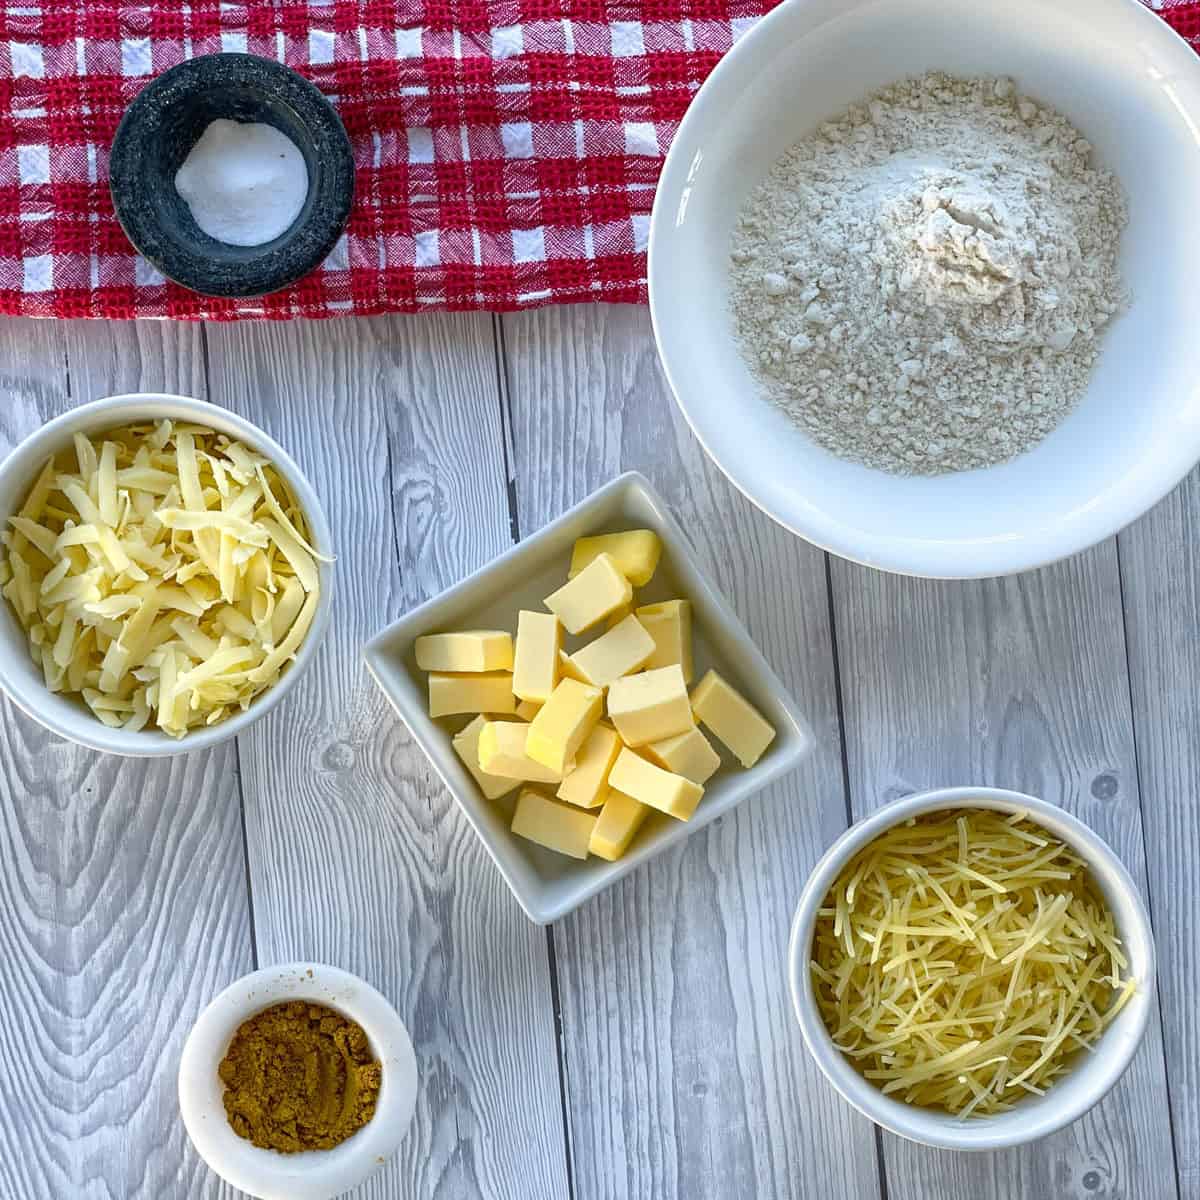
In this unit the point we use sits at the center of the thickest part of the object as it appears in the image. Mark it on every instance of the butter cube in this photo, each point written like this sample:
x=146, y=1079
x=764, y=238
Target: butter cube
x=620, y=818
x=621, y=650
x=651, y=706
x=503, y=752
x=561, y=827
x=528, y=709
x=599, y=589
x=636, y=553
x=466, y=746
x=450, y=694
x=586, y=785
x=568, y=670
x=732, y=718
x=470, y=650
x=618, y=616
x=688, y=754
x=670, y=625
x=664, y=790
x=535, y=663
x=558, y=731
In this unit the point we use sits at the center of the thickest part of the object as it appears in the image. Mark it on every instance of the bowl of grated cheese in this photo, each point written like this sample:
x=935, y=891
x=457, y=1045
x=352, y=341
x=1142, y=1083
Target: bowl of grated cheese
x=165, y=574
x=971, y=968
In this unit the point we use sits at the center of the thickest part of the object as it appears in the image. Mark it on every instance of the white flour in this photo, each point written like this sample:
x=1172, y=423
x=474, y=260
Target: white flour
x=923, y=283
x=245, y=183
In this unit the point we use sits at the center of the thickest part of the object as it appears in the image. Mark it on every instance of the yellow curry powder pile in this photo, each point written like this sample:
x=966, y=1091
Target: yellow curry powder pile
x=299, y=1076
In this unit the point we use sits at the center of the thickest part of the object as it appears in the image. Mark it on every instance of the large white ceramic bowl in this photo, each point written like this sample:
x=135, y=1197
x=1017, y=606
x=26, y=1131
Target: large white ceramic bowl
x=1093, y=1074
x=67, y=716
x=312, y=1174
x=1133, y=87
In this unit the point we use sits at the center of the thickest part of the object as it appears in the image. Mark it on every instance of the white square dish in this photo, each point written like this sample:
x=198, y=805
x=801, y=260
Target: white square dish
x=546, y=884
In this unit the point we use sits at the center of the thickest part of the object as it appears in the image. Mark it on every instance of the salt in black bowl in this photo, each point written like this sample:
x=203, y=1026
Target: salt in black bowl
x=158, y=132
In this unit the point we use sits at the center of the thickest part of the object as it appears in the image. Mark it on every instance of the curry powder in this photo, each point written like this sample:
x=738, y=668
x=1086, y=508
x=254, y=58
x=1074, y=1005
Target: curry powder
x=299, y=1076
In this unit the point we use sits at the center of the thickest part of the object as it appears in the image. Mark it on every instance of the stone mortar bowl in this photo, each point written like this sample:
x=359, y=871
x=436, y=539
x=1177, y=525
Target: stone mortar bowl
x=159, y=130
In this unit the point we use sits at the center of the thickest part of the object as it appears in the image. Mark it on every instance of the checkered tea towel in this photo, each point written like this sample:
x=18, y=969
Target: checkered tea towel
x=506, y=150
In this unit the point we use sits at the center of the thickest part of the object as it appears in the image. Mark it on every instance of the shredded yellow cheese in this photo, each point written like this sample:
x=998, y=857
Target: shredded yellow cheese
x=963, y=958
x=163, y=573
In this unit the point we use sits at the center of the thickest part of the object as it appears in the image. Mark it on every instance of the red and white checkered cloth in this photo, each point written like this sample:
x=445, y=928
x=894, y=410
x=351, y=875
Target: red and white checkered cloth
x=506, y=150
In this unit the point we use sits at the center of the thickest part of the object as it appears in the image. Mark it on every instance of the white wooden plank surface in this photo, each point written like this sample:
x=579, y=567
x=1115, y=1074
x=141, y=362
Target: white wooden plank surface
x=1016, y=683
x=686, y=1075
x=124, y=901
x=1160, y=570
x=358, y=855
x=122, y=883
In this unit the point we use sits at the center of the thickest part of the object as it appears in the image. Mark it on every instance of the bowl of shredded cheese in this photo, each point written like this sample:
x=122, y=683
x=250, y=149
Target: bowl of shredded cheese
x=164, y=571
x=971, y=968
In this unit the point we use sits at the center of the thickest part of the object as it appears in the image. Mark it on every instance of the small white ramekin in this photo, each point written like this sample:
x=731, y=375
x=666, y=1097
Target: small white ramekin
x=1094, y=1074
x=313, y=1174
x=66, y=715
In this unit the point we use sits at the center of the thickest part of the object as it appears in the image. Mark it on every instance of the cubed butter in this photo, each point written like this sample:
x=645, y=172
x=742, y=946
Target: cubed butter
x=502, y=751
x=470, y=650
x=466, y=746
x=450, y=694
x=598, y=590
x=732, y=718
x=651, y=706
x=557, y=826
x=586, y=784
x=535, y=661
x=688, y=754
x=670, y=625
x=615, y=618
x=636, y=553
x=567, y=669
x=563, y=723
x=664, y=790
x=621, y=650
x=619, y=819
x=528, y=709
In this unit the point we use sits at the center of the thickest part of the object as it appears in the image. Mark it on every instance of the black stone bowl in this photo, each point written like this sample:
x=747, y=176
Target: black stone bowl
x=166, y=120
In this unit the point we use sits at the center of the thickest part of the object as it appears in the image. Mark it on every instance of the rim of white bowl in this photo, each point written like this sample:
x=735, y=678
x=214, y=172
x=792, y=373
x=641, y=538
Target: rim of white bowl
x=66, y=716
x=313, y=1174
x=1020, y=1125
x=990, y=558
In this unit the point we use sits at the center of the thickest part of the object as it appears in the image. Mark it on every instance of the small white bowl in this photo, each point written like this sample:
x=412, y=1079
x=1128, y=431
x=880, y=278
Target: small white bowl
x=1095, y=1072
x=546, y=884
x=67, y=715
x=312, y=1174
x=1133, y=87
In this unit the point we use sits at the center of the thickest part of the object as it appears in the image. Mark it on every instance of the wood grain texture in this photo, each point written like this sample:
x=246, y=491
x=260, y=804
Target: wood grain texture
x=124, y=905
x=106, y=358
x=686, y=1075
x=1160, y=570
x=358, y=855
x=1017, y=683
x=123, y=889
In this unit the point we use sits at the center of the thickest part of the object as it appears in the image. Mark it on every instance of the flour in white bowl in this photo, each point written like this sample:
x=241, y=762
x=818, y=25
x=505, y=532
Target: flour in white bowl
x=923, y=283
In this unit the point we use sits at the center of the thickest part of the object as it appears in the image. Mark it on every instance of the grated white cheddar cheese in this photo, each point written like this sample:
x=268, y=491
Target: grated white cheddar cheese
x=163, y=573
x=963, y=958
